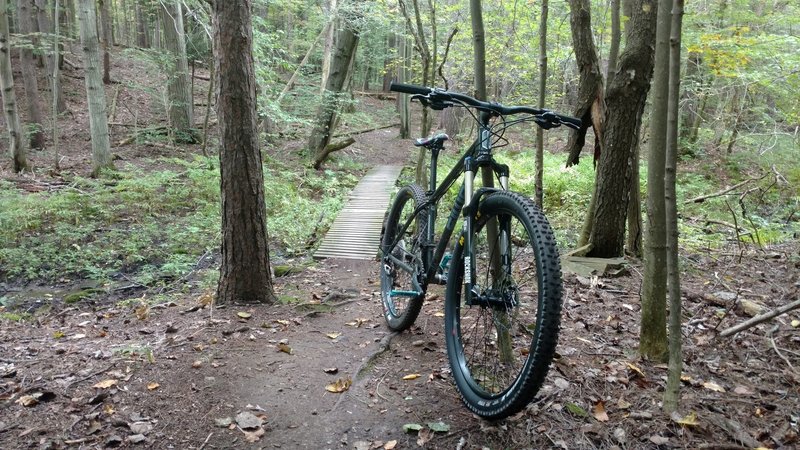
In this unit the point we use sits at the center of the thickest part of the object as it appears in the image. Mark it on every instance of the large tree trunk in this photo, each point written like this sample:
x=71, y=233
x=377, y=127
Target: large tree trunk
x=245, y=270
x=590, y=107
x=613, y=50
x=671, y=393
x=53, y=74
x=625, y=102
x=180, y=104
x=98, y=121
x=15, y=145
x=36, y=131
x=653, y=330
x=346, y=42
x=106, y=39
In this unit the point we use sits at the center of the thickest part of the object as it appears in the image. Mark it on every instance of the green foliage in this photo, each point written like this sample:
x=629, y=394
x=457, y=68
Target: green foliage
x=153, y=227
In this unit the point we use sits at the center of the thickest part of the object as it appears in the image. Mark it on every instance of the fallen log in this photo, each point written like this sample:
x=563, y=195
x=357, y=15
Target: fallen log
x=330, y=148
x=760, y=319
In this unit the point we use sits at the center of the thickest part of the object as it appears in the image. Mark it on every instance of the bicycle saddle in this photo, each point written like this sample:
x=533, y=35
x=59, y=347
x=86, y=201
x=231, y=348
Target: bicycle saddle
x=432, y=142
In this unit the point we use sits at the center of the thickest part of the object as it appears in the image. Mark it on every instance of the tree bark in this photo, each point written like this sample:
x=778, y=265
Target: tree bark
x=329, y=11
x=402, y=77
x=613, y=50
x=141, y=26
x=180, y=104
x=653, y=330
x=245, y=270
x=105, y=39
x=672, y=393
x=542, y=92
x=98, y=122
x=52, y=56
x=346, y=42
x=590, y=106
x=625, y=102
x=16, y=146
x=29, y=81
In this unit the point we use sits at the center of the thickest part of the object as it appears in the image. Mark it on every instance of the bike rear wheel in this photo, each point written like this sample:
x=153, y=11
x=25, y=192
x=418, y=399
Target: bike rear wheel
x=500, y=343
x=402, y=271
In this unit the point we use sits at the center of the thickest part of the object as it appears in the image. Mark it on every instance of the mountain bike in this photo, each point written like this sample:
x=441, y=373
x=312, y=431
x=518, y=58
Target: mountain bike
x=503, y=274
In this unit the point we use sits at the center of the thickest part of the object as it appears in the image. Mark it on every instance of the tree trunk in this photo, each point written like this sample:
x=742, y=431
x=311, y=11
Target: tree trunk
x=15, y=145
x=653, y=331
x=613, y=50
x=141, y=27
x=329, y=12
x=625, y=102
x=52, y=59
x=671, y=394
x=542, y=91
x=27, y=61
x=106, y=39
x=402, y=77
x=180, y=104
x=346, y=42
x=590, y=107
x=245, y=270
x=98, y=122
x=634, y=240
x=389, y=62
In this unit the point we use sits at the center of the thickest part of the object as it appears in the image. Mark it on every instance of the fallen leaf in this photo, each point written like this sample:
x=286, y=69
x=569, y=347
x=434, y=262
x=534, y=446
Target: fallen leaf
x=197, y=364
x=58, y=334
x=390, y=445
x=141, y=427
x=658, y=440
x=205, y=299
x=333, y=335
x=339, y=386
x=623, y=404
x=438, y=314
x=412, y=376
x=109, y=409
x=637, y=370
x=424, y=436
x=253, y=436
x=223, y=422
x=105, y=384
x=409, y=427
x=27, y=400
x=710, y=385
x=599, y=411
x=439, y=427
x=331, y=370
x=576, y=410
x=743, y=390
x=244, y=315
x=284, y=347
x=136, y=438
x=142, y=311
x=153, y=386
x=690, y=420
x=283, y=322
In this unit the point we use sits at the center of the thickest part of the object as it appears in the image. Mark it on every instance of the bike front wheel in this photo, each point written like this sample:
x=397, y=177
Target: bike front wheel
x=502, y=337
x=402, y=271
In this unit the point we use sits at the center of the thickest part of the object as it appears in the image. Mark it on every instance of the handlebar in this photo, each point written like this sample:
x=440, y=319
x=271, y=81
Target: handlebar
x=440, y=99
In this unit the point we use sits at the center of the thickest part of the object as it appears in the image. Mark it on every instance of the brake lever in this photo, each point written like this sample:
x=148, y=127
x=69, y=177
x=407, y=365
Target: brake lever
x=545, y=123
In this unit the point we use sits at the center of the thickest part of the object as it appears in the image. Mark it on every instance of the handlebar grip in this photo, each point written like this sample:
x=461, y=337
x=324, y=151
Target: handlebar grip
x=567, y=120
x=409, y=88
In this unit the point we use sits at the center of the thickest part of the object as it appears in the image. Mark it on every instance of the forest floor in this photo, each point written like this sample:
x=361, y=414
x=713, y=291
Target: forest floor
x=186, y=375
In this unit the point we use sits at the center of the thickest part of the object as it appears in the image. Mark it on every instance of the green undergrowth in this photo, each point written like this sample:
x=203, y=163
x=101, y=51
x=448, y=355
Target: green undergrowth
x=152, y=227
x=767, y=215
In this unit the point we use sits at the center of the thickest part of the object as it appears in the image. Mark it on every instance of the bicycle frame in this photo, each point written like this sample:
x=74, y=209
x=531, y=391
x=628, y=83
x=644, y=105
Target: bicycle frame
x=478, y=155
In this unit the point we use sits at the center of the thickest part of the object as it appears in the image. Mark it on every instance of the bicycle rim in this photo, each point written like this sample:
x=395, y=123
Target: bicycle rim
x=500, y=343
